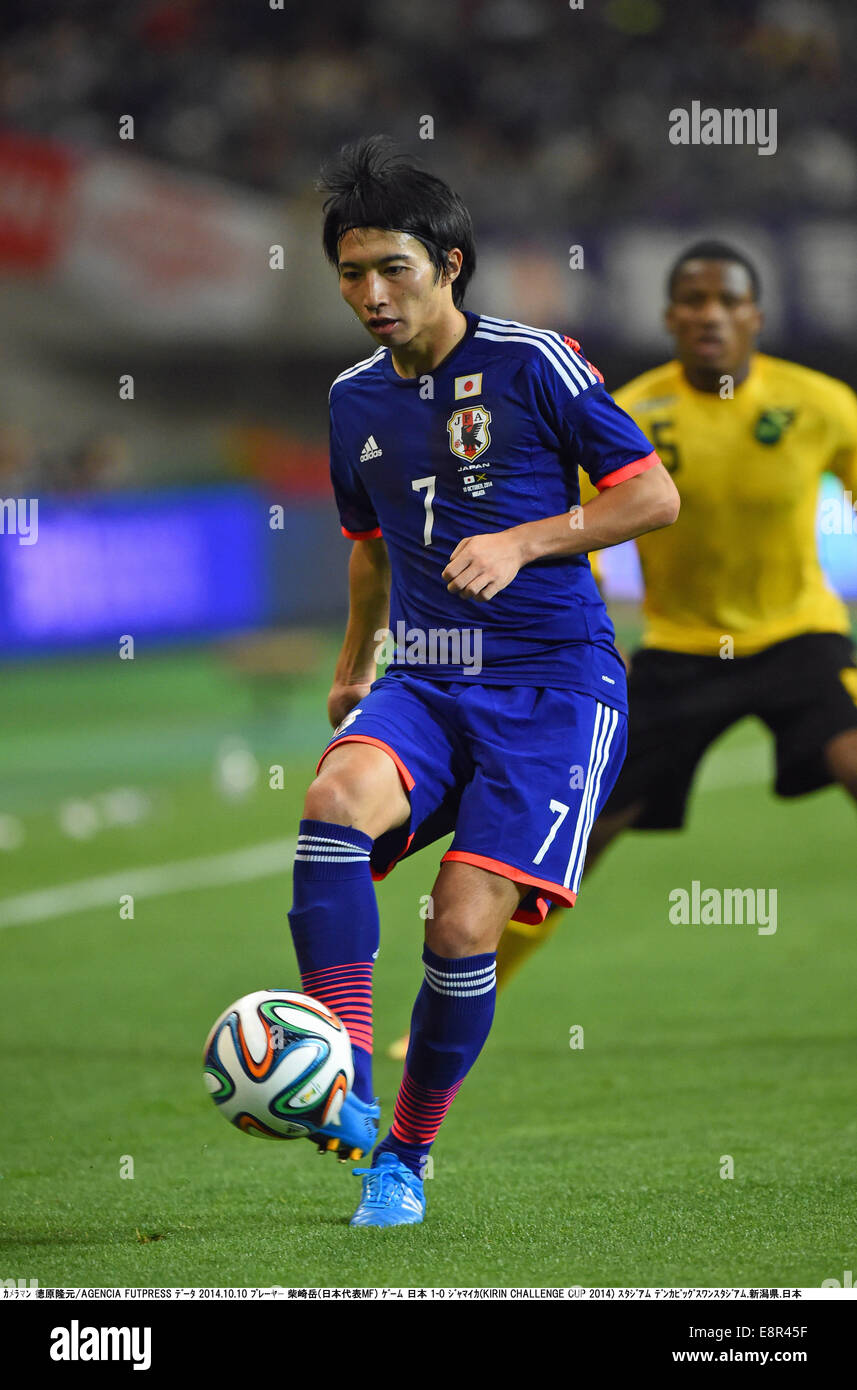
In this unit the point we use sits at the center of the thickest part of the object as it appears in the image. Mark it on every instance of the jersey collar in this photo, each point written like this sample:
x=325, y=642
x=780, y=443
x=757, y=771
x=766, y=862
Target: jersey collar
x=414, y=382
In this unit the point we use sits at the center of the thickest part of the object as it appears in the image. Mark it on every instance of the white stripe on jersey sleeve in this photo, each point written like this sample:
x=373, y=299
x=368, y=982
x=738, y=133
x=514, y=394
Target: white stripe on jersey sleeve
x=574, y=387
x=555, y=339
x=549, y=343
x=356, y=369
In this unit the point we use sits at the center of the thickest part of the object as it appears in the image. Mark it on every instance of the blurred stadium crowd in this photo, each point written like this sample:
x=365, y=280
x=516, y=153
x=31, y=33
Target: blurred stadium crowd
x=553, y=121
x=552, y=108
x=148, y=259
x=28, y=465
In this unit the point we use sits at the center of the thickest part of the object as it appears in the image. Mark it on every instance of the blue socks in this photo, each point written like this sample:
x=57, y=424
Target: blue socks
x=335, y=929
x=449, y=1025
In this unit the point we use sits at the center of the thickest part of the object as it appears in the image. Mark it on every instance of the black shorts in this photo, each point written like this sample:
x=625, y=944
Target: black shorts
x=680, y=704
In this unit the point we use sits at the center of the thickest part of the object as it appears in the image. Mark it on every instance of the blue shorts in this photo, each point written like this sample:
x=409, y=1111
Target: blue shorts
x=518, y=772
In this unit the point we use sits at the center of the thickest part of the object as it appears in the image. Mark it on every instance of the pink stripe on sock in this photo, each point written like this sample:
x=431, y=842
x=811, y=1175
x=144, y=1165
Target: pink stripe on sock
x=347, y=990
x=420, y=1111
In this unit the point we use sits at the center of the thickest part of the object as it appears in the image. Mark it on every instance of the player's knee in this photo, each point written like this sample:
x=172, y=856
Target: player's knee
x=847, y=779
x=451, y=935
x=361, y=792
x=332, y=798
x=841, y=758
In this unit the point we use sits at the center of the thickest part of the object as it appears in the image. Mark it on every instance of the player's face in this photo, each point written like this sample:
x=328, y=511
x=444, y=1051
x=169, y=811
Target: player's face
x=713, y=317
x=389, y=281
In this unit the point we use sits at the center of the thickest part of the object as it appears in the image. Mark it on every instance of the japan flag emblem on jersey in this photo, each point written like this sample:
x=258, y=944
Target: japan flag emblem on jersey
x=467, y=388
x=468, y=432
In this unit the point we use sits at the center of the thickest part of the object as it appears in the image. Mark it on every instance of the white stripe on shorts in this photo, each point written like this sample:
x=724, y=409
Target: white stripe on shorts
x=606, y=720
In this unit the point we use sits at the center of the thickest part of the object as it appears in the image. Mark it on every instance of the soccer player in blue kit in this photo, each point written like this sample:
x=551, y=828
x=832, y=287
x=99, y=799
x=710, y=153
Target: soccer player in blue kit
x=454, y=455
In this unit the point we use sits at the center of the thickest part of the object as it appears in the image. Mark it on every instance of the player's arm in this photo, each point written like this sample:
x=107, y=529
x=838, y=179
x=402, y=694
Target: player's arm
x=368, y=583
x=643, y=503
x=480, y=566
x=587, y=493
x=843, y=462
x=368, y=613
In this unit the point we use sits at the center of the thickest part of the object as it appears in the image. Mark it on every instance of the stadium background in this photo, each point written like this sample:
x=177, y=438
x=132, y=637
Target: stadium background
x=152, y=777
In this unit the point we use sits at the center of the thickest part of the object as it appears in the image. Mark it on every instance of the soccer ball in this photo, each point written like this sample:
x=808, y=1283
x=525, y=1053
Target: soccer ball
x=278, y=1064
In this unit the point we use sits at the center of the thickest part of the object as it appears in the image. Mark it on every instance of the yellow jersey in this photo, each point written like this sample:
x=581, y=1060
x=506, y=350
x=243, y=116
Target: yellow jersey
x=742, y=560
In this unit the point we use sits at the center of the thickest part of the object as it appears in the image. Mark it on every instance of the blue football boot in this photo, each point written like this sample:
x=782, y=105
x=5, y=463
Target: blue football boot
x=392, y=1194
x=354, y=1131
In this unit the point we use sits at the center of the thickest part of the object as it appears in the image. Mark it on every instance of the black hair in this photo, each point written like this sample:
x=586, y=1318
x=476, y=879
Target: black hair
x=714, y=251
x=371, y=185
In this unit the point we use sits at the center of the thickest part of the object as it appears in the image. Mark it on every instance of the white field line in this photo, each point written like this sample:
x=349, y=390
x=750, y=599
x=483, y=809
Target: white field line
x=214, y=871
x=741, y=768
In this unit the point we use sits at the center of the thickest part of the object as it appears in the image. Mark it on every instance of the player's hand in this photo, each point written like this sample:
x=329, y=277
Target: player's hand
x=343, y=699
x=480, y=566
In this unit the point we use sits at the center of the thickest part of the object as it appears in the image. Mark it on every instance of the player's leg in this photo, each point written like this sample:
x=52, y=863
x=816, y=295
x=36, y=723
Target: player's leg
x=840, y=755
x=678, y=706
x=356, y=796
x=520, y=833
x=805, y=689
x=451, y=1020
x=358, y=785
x=381, y=784
x=517, y=944
x=521, y=939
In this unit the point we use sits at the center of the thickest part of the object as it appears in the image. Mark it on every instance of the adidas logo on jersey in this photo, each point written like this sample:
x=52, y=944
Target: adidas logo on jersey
x=370, y=450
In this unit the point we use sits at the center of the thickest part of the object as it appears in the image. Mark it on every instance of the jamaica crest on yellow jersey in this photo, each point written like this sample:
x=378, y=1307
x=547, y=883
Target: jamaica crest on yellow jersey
x=772, y=424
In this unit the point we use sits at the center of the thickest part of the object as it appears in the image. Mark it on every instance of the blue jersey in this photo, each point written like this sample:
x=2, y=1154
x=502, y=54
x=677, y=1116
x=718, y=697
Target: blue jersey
x=492, y=438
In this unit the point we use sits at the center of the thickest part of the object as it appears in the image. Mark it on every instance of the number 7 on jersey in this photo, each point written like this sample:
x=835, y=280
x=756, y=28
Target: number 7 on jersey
x=428, y=483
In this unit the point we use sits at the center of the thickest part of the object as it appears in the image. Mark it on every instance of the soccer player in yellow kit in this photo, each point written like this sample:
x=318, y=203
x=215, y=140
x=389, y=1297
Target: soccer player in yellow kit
x=739, y=619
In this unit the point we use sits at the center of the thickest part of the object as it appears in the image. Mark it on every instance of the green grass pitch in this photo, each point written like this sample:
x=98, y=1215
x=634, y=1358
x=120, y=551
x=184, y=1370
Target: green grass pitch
x=598, y=1165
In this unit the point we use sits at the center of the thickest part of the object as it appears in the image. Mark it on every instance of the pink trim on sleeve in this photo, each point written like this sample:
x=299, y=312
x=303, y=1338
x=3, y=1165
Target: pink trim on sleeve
x=362, y=535
x=630, y=470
